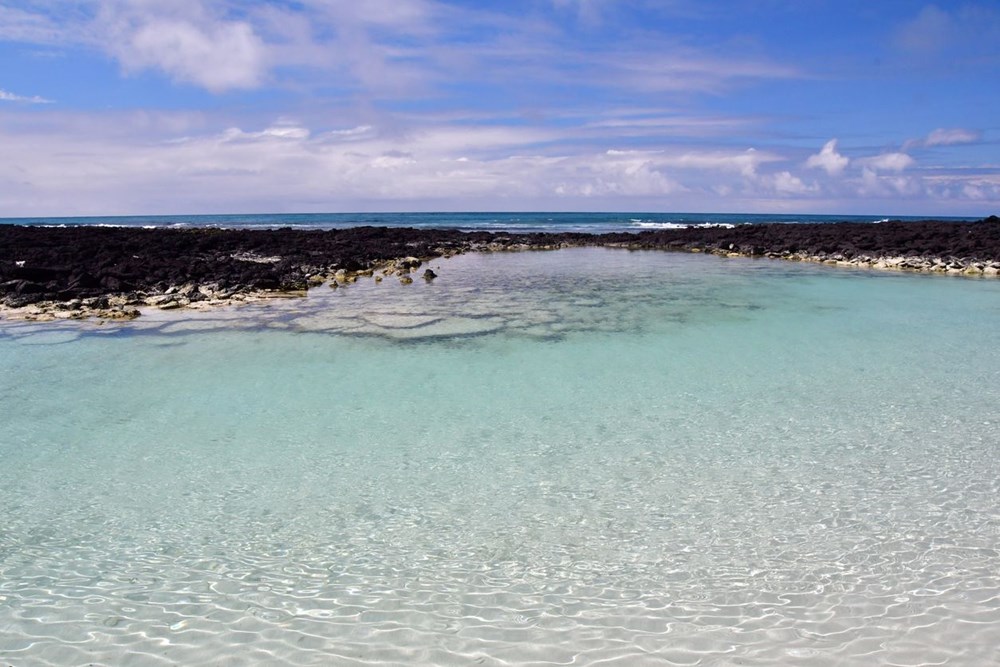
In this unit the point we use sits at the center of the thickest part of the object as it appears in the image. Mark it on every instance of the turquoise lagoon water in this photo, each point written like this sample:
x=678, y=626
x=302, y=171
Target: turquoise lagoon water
x=588, y=456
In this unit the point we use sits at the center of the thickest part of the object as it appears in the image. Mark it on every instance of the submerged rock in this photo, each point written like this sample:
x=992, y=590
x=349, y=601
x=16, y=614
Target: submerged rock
x=408, y=263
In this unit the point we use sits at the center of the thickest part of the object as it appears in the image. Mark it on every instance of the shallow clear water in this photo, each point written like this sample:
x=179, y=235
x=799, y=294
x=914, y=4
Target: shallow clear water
x=582, y=457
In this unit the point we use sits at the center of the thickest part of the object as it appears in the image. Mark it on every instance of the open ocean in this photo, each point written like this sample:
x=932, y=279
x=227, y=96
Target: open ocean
x=514, y=222
x=586, y=456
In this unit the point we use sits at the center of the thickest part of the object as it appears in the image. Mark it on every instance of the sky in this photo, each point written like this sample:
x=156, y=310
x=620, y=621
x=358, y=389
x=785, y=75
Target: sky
x=118, y=107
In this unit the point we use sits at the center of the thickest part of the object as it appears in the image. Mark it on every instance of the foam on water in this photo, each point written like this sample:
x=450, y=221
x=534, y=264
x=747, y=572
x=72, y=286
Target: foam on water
x=649, y=224
x=589, y=456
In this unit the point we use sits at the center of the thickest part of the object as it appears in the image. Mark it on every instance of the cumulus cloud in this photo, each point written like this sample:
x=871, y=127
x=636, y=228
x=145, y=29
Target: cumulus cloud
x=186, y=40
x=877, y=185
x=975, y=187
x=219, y=57
x=6, y=96
x=828, y=159
x=192, y=41
x=291, y=165
x=288, y=165
x=888, y=162
x=611, y=177
x=785, y=183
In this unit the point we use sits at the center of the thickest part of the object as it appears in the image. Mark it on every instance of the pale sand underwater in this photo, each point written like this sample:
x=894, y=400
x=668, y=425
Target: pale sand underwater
x=582, y=457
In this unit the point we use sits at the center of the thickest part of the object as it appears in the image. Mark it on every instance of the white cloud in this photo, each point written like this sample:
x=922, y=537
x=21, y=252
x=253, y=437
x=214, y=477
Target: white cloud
x=392, y=160
x=33, y=25
x=354, y=133
x=888, y=162
x=630, y=173
x=280, y=131
x=952, y=137
x=903, y=185
x=955, y=136
x=892, y=186
x=376, y=49
x=191, y=41
x=220, y=57
x=113, y=167
x=975, y=187
x=646, y=124
x=588, y=12
x=62, y=162
x=387, y=47
x=188, y=40
x=957, y=33
x=828, y=159
x=972, y=192
x=931, y=30
x=870, y=184
x=682, y=69
x=6, y=96
x=744, y=162
x=785, y=183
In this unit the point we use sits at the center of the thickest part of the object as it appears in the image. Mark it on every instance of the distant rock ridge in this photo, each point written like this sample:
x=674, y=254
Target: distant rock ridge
x=110, y=273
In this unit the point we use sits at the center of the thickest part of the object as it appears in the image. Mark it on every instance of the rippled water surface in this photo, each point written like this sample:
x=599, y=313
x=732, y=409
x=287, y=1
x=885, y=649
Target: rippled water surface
x=582, y=457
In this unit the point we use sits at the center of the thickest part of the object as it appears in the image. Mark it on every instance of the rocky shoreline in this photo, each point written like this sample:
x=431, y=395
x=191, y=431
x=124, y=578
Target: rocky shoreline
x=49, y=273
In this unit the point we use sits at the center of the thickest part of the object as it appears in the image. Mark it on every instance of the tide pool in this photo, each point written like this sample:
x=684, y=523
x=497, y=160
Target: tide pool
x=588, y=456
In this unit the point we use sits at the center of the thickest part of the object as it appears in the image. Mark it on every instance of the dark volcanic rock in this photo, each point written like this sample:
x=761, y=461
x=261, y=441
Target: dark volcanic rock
x=978, y=240
x=49, y=263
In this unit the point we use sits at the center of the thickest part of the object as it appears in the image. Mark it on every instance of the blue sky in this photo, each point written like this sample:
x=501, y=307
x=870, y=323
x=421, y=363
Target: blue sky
x=230, y=106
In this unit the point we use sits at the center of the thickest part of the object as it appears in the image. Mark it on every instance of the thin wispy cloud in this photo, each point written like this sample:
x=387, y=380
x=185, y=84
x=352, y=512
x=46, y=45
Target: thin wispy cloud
x=952, y=137
x=6, y=96
x=40, y=23
x=563, y=104
x=684, y=70
x=952, y=33
x=932, y=30
x=944, y=137
x=589, y=12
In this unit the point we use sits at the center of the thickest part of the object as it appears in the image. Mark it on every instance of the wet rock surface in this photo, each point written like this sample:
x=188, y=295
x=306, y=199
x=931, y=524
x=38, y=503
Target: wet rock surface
x=109, y=272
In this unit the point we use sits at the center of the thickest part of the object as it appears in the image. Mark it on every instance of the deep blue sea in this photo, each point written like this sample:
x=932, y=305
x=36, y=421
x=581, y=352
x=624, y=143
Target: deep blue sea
x=514, y=222
x=588, y=456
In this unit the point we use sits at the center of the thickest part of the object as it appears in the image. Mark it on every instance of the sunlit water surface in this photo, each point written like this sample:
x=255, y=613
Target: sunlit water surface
x=581, y=457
